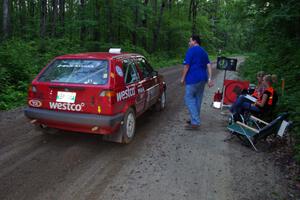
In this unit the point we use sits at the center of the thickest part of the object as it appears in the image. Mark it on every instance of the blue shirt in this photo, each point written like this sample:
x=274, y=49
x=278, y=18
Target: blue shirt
x=197, y=58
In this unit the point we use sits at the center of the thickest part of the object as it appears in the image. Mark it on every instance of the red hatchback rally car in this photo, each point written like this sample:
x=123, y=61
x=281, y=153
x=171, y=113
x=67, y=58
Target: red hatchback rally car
x=99, y=93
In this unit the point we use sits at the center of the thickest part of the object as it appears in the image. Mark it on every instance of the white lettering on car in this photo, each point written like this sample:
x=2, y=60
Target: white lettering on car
x=125, y=94
x=66, y=106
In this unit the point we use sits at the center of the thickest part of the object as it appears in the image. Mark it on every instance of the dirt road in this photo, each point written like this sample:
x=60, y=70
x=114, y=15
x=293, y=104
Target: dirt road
x=163, y=162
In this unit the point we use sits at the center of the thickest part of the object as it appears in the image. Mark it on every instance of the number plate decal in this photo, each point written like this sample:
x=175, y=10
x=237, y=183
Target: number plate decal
x=66, y=97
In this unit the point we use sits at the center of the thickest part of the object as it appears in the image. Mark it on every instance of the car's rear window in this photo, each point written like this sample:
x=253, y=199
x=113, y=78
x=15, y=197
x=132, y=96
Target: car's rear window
x=94, y=72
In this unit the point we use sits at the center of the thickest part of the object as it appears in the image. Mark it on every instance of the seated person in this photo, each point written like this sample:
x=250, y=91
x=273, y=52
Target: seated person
x=265, y=102
x=259, y=90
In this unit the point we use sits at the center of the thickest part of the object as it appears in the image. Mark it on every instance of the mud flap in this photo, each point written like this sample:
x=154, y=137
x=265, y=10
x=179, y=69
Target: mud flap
x=114, y=137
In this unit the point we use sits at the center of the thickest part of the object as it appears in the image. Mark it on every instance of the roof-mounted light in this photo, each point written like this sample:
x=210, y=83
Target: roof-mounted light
x=115, y=50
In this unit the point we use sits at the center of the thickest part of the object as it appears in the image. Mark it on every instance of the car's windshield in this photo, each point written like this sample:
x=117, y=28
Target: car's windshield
x=77, y=71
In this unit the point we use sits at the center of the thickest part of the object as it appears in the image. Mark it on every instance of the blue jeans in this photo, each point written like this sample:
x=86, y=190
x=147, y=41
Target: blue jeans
x=242, y=104
x=193, y=99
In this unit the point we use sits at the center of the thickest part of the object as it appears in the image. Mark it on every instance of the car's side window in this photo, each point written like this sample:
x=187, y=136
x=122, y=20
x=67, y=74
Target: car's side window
x=130, y=72
x=145, y=67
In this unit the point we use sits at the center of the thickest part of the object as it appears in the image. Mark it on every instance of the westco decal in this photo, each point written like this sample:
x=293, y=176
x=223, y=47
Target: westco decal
x=35, y=103
x=66, y=106
x=129, y=92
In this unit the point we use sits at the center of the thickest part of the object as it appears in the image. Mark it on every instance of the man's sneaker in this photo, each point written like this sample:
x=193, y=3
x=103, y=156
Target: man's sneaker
x=191, y=127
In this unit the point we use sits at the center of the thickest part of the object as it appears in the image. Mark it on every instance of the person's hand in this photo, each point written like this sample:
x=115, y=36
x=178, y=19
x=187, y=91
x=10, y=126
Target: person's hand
x=182, y=81
x=210, y=83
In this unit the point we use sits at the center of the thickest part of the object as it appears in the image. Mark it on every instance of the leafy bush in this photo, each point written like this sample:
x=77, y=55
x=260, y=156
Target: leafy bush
x=285, y=64
x=20, y=61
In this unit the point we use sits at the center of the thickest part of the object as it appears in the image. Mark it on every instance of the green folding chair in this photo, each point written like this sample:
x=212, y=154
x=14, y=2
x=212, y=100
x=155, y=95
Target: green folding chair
x=256, y=129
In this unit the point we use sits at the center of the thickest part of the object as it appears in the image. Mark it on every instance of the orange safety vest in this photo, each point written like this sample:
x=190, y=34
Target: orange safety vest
x=270, y=100
x=255, y=94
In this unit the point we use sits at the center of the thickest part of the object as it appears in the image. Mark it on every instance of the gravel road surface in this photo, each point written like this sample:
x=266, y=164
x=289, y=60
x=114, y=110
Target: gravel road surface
x=163, y=162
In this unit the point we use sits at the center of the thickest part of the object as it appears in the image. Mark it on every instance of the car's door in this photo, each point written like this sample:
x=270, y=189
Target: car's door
x=132, y=80
x=149, y=82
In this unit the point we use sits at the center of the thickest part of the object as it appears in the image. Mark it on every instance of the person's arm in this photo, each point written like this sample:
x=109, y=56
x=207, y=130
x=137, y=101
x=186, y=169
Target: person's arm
x=263, y=101
x=209, y=71
x=184, y=72
x=186, y=63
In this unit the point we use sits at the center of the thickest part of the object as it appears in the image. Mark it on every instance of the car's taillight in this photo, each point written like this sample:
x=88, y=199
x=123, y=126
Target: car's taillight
x=32, y=91
x=110, y=95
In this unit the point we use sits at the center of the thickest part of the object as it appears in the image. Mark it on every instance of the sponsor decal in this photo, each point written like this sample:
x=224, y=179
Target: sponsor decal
x=35, y=103
x=75, y=66
x=141, y=90
x=66, y=106
x=125, y=94
x=119, y=71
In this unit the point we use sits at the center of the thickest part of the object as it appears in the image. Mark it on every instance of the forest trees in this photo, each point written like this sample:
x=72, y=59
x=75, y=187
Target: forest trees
x=35, y=31
x=143, y=23
x=6, y=19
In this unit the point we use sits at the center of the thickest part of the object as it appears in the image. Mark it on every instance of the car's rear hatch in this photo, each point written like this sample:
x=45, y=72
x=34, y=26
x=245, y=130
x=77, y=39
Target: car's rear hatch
x=72, y=85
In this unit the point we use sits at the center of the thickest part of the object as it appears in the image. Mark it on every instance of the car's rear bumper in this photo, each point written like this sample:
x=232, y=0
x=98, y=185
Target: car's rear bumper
x=73, y=118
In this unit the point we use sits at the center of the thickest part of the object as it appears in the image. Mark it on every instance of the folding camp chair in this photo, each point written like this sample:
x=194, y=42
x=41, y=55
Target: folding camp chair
x=255, y=129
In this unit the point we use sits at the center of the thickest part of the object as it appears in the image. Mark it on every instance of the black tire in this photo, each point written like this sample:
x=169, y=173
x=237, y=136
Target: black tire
x=161, y=102
x=128, y=127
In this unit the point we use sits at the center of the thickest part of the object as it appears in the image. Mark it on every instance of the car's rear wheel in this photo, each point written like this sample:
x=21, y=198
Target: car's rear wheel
x=162, y=101
x=128, y=126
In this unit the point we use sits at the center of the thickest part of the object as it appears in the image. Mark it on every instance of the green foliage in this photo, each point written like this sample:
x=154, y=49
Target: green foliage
x=97, y=25
x=277, y=51
x=20, y=62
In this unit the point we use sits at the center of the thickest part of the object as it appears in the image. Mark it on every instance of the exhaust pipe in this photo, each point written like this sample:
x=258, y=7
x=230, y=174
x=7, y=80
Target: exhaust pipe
x=33, y=121
x=95, y=128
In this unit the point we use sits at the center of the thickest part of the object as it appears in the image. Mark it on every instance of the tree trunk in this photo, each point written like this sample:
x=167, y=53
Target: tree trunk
x=31, y=8
x=190, y=10
x=134, y=32
x=144, y=24
x=43, y=18
x=31, y=21
x=23, y=15
x=170, y=5
x=82, y=27
x=109, y=27
x=6, y=19
x=194, y=16
x=62, y=16
x=97, y=18
x=54, y=16
x=158, y=26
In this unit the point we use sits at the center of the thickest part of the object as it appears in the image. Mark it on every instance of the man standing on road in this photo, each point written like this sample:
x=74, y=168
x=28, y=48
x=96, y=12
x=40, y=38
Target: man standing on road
x=196, y=73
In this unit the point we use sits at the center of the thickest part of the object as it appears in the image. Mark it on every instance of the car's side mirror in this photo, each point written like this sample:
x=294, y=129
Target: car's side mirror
x=154, y=73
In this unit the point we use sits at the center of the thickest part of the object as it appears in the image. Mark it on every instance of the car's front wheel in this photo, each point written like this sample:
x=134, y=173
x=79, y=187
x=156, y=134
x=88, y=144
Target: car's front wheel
x=162, y=101
x=128, y=127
